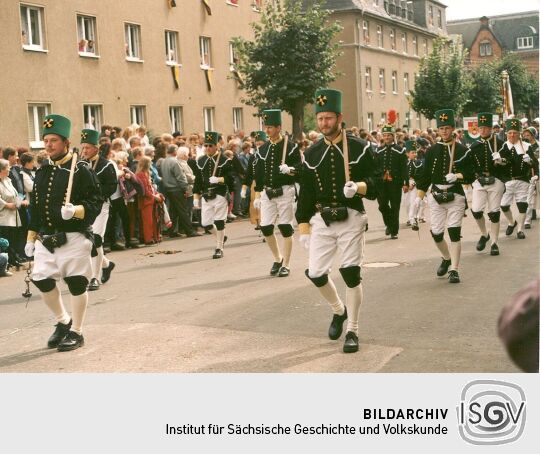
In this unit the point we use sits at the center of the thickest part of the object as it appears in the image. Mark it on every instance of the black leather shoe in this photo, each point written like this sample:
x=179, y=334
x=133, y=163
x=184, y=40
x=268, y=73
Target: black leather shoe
x=443, y=267
x=351, y=343
x=106, y=272
x=453, y=277
x=275, y=268
x=521, y=235
x=193, y=234
x=71, y=342
x=94, y=285
x=415, y=226
x=218, y=254
x=510, y=229
x=132, y=246
x=527, y=226
x=283, y=271
x=60, y=332
x=494, y=250
x=336, y=327
x=481, y=245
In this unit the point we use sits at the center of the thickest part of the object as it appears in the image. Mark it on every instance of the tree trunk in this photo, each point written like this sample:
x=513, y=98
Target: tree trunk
x=298, y=119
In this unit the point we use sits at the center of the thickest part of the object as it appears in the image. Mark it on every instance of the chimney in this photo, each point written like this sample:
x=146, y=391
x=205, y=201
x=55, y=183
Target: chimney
x=484, y=21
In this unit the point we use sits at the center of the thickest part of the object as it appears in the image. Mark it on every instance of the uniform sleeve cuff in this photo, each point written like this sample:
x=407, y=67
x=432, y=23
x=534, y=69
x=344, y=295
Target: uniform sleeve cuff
x=304, y=228
x=221, y=179
x=31, y=236
x=79, y=212
x=362, y=188
x=421, y=194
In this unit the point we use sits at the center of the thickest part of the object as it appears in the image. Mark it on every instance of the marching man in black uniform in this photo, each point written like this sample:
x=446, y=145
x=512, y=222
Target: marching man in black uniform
x=391, y=162
x=249, y=179
x=213, y=178
x=413, y=164
x=488, y=188
x=278, y=164
x=65, y=202
x=108, y=181
x=336, y=176
x=519, y=163
x=529, y=135
x=446, y=168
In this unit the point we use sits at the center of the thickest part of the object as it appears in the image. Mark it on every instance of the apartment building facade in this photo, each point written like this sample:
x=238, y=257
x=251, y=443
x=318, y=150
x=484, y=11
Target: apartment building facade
x=163, y=63
x=382, y=44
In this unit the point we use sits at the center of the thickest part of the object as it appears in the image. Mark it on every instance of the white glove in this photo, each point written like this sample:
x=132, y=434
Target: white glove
x=257, y=203
x=29, y=249
x=526, y=158
x=496, y=156
x=196, y=203
x=243, y=193
x=67, y=211
x=285, y=169
x=534, y=179
x=350, y=189
x=214, y=180
x=451, y=178
x=304, y=240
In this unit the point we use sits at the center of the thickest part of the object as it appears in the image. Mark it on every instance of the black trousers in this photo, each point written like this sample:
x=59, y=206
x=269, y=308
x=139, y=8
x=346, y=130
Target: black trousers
x=178, y=210
x=118, y=210
x=389, y=199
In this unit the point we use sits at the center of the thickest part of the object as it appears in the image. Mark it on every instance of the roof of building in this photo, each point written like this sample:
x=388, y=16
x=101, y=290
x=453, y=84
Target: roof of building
x=507, y=29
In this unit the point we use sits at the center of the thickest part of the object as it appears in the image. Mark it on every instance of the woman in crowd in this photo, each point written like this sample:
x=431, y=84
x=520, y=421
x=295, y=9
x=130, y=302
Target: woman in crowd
x=183, y=157
x=150, y=205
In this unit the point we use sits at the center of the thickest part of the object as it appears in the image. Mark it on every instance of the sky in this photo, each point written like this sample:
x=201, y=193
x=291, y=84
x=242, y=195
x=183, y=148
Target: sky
x=464, y=9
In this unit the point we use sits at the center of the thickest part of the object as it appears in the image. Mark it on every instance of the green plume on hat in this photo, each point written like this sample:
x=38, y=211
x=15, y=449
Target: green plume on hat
x=57, y=124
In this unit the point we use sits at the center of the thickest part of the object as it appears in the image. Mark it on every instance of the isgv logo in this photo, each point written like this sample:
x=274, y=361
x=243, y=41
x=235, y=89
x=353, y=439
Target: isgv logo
x=491, y=412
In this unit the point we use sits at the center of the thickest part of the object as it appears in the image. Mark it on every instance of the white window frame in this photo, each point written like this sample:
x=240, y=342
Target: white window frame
x=382, y=80
x=430, y=15
x=205, y=49
x=415, y=45
x=238, y=119
x=133, y=42
x=208, y=118
x=96, y=112
x=425, y=47
x=81, y=34
x=408, y=119
x=485, y=49
x=368, y=80
x=439, y=18
x=172, y=48
x=380, y=36
x=33, y=112
x=525, y=42
x=137, y=114
x=176, y=118
x=370, y=122
x=25, y=18
x=393, y=39
x=394, y=82
x=406, y=88
x=365, y=33
x=404, y=43
x=383, y=118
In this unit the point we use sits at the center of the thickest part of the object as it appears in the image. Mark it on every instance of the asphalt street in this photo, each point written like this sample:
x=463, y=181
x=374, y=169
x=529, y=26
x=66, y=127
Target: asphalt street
x=171, y=308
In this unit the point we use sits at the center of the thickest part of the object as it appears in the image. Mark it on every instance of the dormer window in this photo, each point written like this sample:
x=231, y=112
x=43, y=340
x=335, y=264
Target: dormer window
x=525, y=42
x=485, y=49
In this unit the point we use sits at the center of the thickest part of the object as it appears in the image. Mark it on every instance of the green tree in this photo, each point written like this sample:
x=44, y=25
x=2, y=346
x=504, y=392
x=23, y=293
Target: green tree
x=442, y=80
x=485, y=93
x=292, y=55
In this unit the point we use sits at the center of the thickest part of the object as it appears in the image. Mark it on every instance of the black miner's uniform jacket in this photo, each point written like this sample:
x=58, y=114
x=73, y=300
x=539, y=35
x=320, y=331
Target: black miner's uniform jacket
x=49, y=194
x=323, y=176
x=205, y=169
x=267, y=162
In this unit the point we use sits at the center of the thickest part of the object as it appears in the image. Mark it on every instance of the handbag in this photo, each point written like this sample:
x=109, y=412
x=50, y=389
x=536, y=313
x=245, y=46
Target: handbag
x=51, y=242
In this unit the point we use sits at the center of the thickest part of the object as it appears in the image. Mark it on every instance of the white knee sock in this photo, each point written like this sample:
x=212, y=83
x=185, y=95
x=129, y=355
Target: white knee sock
x=106, y=262
x=354, y=300
x=455, y=253
x=508, y=215
x=78, y=309
x=329, y=293
x=220, y=235
x=443, y=247
x=96, y=264
x=482, y=224
x=287, y=246
x=271, y=240
x=53, y=300
x=495, y=227
x=520, y=221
